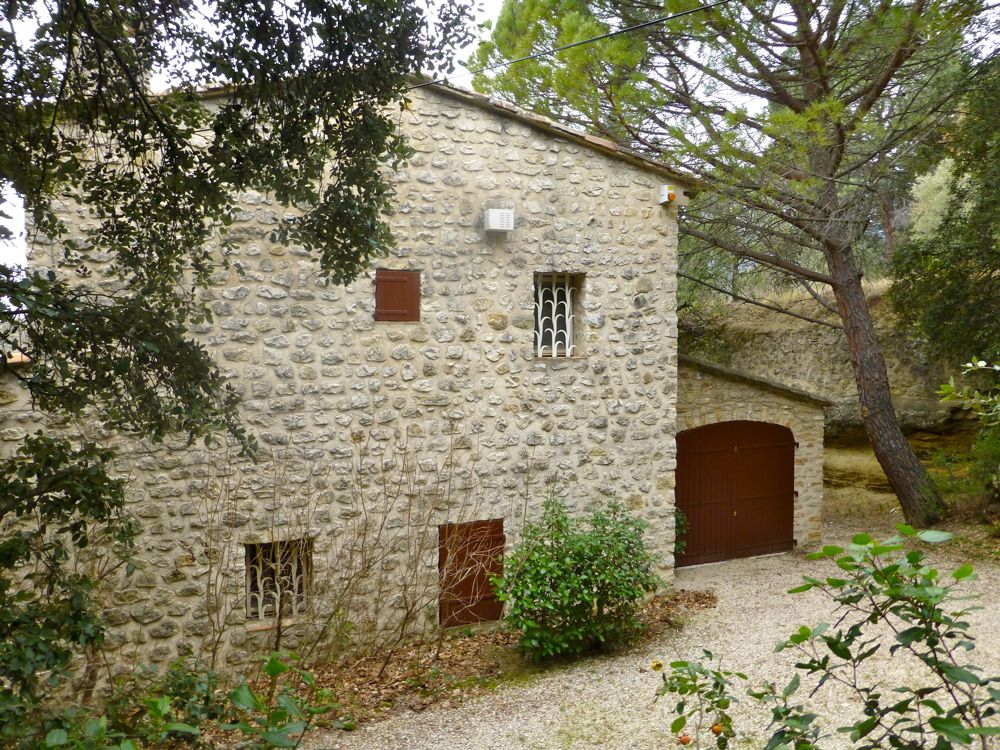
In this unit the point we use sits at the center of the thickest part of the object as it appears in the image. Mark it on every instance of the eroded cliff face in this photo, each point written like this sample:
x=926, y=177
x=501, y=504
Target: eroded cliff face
x=815, y=358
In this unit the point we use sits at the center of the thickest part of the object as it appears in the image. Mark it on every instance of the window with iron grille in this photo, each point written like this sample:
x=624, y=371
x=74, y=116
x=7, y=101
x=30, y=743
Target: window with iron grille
x=279, y=577
x=557, y=309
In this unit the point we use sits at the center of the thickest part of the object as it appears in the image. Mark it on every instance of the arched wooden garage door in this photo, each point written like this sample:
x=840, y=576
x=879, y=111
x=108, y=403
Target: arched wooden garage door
x=735, y=484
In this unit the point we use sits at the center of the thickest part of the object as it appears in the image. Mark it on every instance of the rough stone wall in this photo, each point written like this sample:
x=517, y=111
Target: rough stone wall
x=411, y=424
x=706, y=398
x=816, y=358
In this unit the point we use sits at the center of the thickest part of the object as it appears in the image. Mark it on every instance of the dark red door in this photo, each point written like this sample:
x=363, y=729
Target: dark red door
x=469, y=555
x=735, y=485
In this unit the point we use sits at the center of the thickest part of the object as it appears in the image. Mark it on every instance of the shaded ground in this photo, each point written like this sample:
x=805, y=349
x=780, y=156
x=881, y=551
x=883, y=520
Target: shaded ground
x=464, y=664
x=856, y=493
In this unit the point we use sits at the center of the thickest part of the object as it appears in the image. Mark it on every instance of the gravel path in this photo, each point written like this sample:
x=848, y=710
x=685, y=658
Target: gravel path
x=606, y=701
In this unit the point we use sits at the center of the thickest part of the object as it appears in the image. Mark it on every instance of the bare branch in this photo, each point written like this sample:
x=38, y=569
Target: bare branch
x=769, y=260
x=766, y=306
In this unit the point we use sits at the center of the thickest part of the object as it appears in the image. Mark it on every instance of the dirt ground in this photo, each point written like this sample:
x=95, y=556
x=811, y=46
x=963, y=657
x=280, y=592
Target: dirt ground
x=856, y=493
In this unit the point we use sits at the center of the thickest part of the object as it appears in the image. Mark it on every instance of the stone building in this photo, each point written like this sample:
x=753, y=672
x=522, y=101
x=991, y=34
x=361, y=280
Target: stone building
x=521, y=338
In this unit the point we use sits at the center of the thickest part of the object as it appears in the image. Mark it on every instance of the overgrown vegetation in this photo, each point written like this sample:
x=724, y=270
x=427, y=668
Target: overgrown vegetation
x=575, y=583
x=945, y=280
x=185, y=707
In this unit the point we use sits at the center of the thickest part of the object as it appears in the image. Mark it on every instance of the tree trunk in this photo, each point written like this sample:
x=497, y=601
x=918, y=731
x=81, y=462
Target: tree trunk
x=917, y=493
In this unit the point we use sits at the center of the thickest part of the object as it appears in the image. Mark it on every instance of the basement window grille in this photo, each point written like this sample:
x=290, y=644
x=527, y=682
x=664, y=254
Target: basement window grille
x=557, y=297
x=279, y=578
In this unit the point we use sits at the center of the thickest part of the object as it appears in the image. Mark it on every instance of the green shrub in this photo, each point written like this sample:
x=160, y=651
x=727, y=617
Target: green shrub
x=192, y=689
x=985, y=469
x=575, y=583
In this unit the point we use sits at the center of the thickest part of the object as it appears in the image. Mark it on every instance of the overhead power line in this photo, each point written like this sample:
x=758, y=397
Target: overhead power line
x=576, y=44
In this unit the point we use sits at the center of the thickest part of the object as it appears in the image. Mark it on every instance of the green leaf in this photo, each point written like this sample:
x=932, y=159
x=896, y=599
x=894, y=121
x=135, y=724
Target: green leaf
x=177, y=726
x=951, y=729
x=56, y=737
x=291, y=706
x=831, y=551
x=678, y=724
x=244, y=698
x=800, y=589
x=932, y=536
x=910, y=635
x=958, y=674
x=863, y=728
x=791, y=687
x=274, y=666
x=906, y=530
x=861, y=540
x=963, y=572
x=279, y=739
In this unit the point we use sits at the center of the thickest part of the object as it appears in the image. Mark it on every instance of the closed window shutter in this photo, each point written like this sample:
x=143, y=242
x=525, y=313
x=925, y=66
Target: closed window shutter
x=397, y=295
x=469, y=557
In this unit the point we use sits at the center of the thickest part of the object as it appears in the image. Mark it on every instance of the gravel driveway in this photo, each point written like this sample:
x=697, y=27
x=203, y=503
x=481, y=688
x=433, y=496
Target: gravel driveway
x=607, y=701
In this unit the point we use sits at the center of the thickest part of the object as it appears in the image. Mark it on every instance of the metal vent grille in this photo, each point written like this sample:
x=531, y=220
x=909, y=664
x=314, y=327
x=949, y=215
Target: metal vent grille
x=279, y=577
x=555, y=297
x=498, y=220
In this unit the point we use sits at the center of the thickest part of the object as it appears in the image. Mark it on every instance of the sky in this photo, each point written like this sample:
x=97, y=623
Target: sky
x=12, y=253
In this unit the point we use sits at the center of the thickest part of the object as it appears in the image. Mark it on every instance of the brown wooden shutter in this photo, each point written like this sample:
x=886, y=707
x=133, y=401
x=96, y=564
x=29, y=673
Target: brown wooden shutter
x=397, y=295
x=469, y=555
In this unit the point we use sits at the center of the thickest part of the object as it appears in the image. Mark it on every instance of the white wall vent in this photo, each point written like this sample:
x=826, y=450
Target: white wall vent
x=498, y=220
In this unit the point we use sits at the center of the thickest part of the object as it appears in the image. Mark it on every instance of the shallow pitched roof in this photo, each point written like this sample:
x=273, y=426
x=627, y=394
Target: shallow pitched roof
x=731, y=374
x=544, y=123
x=499, y=106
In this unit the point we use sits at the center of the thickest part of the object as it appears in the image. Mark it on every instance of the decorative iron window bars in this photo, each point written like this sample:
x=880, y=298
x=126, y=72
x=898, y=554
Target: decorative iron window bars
x=279, y=576
x=554, y=317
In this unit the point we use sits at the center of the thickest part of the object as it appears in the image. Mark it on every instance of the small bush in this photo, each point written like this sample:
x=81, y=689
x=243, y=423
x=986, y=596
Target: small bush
x=985, y=469
x=576, y=583
x=193, y=690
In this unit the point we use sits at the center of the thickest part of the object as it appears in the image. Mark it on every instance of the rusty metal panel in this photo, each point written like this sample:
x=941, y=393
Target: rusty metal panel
x=397, y=295
x=735, y=484
x=469, y=555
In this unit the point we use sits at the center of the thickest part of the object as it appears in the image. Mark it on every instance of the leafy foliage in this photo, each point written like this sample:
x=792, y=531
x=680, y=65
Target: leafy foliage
x=175, y=711
x=985, y=467
x=192, y=691
x=280, y=719
x=703, y=700
x=945, y=282
x=293, y=101
x=883, y=587
x=574, y=583
x=917, y=602
x=681, y=528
